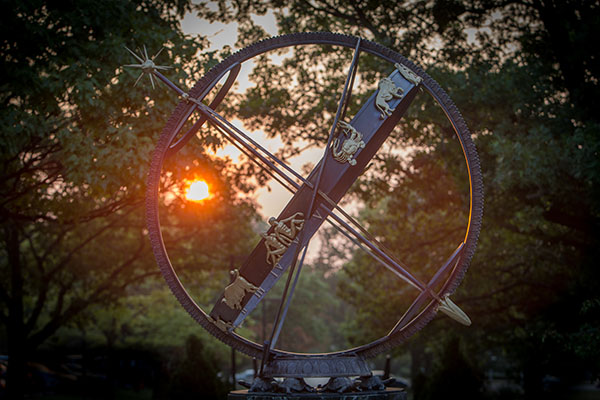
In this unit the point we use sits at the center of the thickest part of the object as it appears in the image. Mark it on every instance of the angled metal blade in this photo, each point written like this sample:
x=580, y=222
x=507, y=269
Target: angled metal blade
x=449, y=308
x=138, y=79
x=156, y=55
x=134, y=54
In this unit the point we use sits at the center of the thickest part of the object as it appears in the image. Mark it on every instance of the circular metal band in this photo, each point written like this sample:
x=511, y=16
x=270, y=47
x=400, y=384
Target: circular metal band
x=165, y=147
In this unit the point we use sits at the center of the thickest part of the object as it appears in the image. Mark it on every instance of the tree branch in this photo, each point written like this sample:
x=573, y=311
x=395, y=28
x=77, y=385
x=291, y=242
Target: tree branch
x=105, y=290
x=584, y=223
x=368, y=24
x=39, y=305
x=61, y=264
x=330, y=10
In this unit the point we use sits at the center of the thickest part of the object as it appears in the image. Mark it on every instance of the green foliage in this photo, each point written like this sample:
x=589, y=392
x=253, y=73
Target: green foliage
x=526, y=80
x=77, y=139
x=74, y=152
x=195, y=376
x=313, y=319
x=452, y=376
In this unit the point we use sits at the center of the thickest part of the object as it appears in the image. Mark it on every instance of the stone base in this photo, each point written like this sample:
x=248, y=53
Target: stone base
x=388, y=394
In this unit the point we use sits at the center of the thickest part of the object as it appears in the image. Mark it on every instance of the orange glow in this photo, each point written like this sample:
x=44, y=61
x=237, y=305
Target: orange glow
x=197, y=191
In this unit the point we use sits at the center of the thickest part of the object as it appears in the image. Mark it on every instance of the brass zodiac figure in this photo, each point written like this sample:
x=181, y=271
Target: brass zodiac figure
x=222, y=325
x=283, y=234
x=387, y=91
x=408, y=74
x=234, y=293
x=350, y=146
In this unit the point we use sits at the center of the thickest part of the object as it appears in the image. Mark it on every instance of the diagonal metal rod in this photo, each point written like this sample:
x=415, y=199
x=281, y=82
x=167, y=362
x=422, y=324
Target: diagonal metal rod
x=427, y=293
x=227, y=127
x=219, y=120
x=248, y=154
x=292, y=187
x=397, y=266
x=377, y=249
x=225, y=124
x=170, y=84
x=425, y=296
x=341, y=107
x=233, y=134
x=346, y=101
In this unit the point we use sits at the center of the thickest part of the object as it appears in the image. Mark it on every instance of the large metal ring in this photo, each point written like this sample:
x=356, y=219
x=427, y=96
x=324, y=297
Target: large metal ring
x=167, y=145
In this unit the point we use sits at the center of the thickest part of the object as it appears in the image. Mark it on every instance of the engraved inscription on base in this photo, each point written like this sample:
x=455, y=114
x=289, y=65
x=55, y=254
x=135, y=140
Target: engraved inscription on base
x=314, y=367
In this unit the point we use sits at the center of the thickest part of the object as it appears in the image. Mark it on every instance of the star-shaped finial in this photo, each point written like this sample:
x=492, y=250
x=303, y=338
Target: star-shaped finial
x=147, y=64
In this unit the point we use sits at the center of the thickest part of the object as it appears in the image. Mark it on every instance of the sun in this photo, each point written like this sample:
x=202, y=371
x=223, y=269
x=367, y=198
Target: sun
x=197, y=191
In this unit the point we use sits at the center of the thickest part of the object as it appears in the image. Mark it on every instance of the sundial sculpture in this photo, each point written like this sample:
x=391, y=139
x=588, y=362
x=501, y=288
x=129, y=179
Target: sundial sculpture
x=351, y=144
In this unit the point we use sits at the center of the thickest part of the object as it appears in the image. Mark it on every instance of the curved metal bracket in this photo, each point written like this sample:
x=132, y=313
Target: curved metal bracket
x=176, y=146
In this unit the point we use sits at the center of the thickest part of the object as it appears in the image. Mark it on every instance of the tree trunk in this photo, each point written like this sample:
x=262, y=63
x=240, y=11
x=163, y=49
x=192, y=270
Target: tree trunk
x=532, y=377
x=17, y=349
x=418, y=370
x=17, y=355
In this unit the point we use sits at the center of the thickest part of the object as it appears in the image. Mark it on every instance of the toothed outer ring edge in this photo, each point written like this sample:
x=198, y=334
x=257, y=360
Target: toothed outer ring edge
x=234, y=340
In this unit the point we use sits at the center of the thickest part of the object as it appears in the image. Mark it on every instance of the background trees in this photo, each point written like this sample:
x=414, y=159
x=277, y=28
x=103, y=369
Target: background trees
x=77, y=139
x=525, y=78
x=74, y=152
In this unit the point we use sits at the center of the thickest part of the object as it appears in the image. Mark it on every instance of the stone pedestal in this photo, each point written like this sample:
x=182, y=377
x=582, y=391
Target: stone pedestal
x=388, y=394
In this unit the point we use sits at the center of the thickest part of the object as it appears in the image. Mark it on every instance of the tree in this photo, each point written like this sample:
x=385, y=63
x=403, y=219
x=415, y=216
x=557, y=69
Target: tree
x=74, y=154
x=526, y=79
x=196, y=375
x=312, y=323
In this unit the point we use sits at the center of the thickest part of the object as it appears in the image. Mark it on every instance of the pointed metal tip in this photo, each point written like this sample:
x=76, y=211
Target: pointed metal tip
x=133, y=53
x=156, y=55
x=449, y=308
x=147, y=64
x=138, y=79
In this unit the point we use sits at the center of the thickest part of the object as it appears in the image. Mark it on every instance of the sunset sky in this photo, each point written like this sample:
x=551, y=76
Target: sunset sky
x=221, y=35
